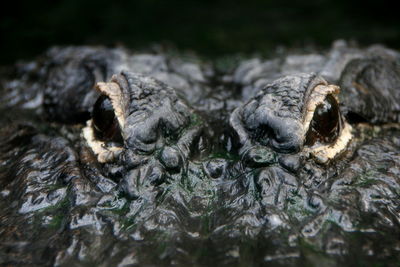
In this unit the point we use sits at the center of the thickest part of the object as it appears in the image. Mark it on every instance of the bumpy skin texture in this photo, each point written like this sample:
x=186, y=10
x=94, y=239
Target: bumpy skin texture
x=376, y=83
x=158, y=128
x=75, y=70
x=211, y=169
x=62, y=81
x=273, y=117
x=368, y=77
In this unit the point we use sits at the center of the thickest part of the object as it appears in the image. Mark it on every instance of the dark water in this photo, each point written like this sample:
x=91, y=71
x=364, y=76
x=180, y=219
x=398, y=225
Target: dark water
x=207, y=27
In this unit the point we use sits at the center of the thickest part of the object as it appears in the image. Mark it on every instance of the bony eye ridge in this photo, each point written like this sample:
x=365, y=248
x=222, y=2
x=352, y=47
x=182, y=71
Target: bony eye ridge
x=316, y=129
x=302, y=115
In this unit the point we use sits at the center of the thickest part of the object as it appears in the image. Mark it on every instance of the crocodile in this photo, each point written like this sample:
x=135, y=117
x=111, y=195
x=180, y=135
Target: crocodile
x=113, y=157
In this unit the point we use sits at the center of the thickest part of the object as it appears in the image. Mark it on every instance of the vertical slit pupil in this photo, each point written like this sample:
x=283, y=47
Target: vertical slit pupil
x=325, y=124
x=105, y=124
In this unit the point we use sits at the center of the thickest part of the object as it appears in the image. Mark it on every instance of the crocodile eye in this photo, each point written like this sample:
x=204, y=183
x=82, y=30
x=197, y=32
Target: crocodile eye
x=326, y=123
x=105, y=124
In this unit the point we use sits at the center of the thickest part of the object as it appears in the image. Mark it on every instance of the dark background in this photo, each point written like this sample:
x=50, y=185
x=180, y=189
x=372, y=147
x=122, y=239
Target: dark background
x=210, y=28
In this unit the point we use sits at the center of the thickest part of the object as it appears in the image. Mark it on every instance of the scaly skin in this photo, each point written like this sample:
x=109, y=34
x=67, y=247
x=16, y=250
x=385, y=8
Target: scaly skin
x=213, y=167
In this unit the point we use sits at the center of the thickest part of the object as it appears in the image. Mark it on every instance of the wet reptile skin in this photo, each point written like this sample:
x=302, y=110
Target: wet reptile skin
x=212, y=169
